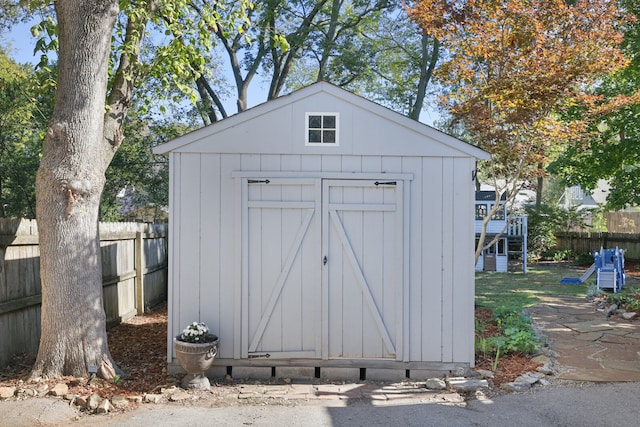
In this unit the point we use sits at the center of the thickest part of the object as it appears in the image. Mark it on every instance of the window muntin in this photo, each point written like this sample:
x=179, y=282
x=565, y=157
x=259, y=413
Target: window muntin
x=321, y=128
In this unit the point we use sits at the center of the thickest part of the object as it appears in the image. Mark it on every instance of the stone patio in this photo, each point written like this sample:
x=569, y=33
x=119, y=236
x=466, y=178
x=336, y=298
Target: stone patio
x=586, y=344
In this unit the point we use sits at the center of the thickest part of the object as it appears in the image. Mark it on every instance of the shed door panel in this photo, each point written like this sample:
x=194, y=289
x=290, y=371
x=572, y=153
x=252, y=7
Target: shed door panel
x=282, y=316
x=362, y=231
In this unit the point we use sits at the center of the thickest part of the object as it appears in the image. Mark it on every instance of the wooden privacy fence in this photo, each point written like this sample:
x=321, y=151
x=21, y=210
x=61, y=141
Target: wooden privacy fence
x=134, y=278
x=623, y=222
x=616, y=222
x=589, y=242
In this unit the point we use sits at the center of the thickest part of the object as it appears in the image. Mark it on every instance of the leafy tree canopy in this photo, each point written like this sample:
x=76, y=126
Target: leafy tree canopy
x=24, y=110
x=513, y=68
x=612, y=151
x=510, y=64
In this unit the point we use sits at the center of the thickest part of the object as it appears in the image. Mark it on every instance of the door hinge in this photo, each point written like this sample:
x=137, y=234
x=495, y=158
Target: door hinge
x=255, y=356
x=324, y=260
x=385, y=183
x=258, y=181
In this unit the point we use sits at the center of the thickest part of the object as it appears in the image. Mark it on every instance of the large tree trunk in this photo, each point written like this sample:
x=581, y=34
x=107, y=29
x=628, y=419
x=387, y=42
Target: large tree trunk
x=69, y=184
x=539, y=186
x=427, y=65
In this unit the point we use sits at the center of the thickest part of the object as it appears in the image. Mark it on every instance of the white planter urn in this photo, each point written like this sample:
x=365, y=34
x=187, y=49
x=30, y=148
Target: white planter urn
x=196, y=358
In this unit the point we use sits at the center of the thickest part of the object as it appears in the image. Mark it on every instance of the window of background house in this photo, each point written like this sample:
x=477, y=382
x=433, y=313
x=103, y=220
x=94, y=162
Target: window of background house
x=499, y=215
x=502, y=247
x=481, y=211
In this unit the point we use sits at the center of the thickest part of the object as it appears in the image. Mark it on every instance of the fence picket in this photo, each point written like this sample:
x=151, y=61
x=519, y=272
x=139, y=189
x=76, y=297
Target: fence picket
x=589, y=242
x=123, y=270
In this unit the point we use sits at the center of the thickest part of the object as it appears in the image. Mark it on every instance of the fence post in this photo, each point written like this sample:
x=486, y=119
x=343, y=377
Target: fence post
x=139, y=265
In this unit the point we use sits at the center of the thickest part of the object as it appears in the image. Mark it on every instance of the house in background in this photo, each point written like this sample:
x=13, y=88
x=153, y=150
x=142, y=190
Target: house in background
x=320, y=234
x=576, y=197
x=587, y=202
x=131, y=210
x=512, y=232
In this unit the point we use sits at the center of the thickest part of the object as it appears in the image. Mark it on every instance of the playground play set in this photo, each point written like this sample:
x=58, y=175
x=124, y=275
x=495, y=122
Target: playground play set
x=609, y=268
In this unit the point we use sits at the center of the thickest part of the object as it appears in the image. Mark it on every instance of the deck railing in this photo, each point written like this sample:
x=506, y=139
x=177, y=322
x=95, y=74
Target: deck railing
x=517, y=226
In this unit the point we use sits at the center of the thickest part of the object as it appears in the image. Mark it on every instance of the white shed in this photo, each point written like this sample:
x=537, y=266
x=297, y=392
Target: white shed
x=321, y=234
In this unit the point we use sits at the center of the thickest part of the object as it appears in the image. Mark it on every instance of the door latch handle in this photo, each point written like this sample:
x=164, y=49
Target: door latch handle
x=324, y=260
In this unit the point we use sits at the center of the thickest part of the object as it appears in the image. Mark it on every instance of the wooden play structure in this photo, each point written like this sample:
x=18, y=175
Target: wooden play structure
x=512, y=232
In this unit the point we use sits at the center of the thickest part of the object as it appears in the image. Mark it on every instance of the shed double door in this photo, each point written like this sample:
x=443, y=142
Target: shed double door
x=322, y=268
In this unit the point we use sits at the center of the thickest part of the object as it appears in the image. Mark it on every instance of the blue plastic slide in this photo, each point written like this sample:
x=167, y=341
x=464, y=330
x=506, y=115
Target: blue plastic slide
x=609, y=266
x=578, y=280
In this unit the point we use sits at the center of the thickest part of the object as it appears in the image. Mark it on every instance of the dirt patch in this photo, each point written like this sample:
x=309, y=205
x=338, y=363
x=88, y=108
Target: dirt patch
x=632, y=268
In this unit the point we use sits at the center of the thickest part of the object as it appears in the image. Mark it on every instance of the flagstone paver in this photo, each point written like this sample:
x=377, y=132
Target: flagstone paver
x=588, y=346
x=590, y=326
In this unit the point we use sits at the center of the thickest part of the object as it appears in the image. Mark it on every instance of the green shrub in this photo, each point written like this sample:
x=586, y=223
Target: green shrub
x=519, y=336
x=563, y=255
x=543, y=222
x=584, y=258
x=629, y=298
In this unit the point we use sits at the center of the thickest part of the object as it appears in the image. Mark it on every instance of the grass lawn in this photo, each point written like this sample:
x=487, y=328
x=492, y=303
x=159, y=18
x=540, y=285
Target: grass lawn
x=504, y=339
x=516, y=291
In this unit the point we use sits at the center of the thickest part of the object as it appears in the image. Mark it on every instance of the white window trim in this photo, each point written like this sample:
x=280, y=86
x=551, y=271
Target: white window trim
x=321, y=144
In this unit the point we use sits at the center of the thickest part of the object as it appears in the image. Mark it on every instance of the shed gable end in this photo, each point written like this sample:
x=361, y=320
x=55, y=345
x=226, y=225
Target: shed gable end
x=295, y=124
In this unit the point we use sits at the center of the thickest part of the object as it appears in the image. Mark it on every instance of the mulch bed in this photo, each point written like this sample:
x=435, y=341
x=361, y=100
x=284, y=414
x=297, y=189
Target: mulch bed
x=139, y=347
x=510, y=366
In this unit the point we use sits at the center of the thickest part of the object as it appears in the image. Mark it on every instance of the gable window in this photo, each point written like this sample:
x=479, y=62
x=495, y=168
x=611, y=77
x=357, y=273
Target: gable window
x=322, y=128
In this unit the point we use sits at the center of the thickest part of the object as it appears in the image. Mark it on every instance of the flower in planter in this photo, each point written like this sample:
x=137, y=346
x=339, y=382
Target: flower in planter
x=196, y=332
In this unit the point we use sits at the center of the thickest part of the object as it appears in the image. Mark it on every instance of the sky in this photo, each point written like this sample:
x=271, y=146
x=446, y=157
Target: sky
x=21, y=43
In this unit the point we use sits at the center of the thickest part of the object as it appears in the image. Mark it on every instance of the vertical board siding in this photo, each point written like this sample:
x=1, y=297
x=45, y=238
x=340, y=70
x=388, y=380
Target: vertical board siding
x=432, y=309
x=311, y=163
x=447, y=254
x=210, y=244
x=463, y=276
x=20, y=287
x=291, y=163
x=189, y=231
x=372, y=164
x=413, y=311
x=173, y=271
x=228, y=304
x=429, y=333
